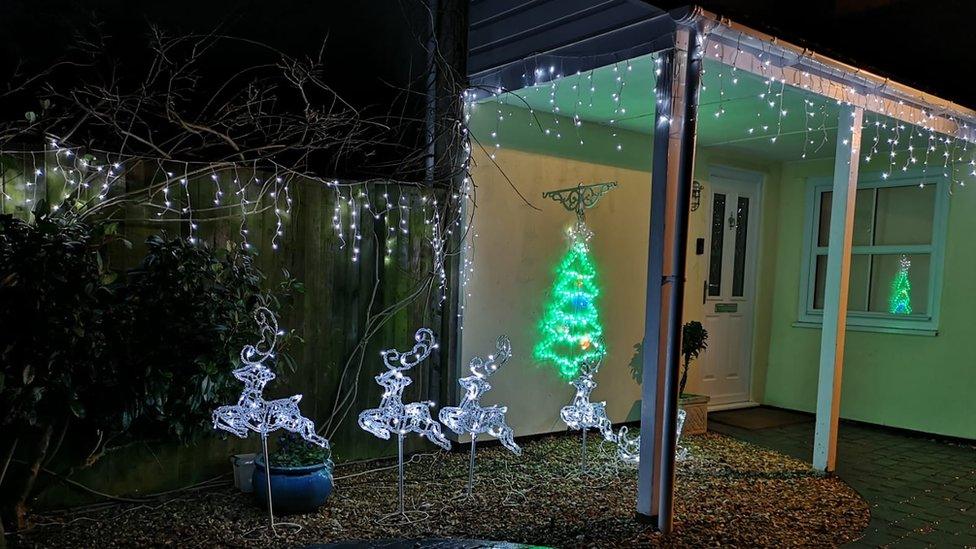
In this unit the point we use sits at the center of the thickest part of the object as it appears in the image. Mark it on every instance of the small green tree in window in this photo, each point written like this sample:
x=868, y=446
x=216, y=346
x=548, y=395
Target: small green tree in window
x=900, y=302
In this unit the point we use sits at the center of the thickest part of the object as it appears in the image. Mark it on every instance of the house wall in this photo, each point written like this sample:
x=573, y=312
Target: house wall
x=917, y=382
x=516, y=249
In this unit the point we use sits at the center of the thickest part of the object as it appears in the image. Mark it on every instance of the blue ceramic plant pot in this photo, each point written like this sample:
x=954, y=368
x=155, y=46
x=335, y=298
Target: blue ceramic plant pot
x=293, y=489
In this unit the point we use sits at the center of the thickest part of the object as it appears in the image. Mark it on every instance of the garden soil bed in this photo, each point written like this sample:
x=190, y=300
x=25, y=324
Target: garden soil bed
x=728, y=493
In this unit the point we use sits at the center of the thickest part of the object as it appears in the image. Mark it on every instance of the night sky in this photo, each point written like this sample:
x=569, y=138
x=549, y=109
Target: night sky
x=375, y=57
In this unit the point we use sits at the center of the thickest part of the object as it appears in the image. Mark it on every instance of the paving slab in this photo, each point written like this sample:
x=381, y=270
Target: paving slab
x=921, y=491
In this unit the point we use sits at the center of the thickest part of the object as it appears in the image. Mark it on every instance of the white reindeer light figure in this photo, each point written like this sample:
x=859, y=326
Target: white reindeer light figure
x=470, y=417
x=583, y=414
x=628, y=447
x=252, y=412
x=393, y=416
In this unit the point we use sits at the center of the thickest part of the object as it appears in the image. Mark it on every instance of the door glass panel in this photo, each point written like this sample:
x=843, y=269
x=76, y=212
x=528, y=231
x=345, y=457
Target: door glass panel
x=715, y=254
x=741, y=233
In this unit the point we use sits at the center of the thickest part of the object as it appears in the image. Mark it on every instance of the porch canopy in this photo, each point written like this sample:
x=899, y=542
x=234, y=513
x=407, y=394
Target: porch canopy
x=543, y=72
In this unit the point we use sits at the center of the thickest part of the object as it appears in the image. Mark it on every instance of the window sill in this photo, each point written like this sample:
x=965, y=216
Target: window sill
x=876, y=329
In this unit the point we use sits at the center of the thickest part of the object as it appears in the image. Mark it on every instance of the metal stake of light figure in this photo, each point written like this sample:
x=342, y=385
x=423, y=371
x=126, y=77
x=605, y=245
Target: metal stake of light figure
x=470, y=417
x=583, y=414
x=393, y=416
x=252, y=412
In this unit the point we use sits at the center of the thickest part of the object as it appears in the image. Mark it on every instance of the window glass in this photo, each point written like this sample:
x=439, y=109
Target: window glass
x=860, y=283
x=741, y=230
x=863, y=216
x=715, y=254
x=904, y=215
x=885, y=282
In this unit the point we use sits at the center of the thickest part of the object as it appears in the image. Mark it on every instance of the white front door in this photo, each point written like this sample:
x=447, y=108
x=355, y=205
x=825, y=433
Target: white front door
x=730, y=289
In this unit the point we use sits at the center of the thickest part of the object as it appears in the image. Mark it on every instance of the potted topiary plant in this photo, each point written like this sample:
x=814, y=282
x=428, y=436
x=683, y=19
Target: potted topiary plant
x=694, y=340
x=301, y=476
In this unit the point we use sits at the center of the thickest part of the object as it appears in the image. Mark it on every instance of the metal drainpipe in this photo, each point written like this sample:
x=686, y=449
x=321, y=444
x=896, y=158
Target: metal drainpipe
x=430, y=118
x=679, y=252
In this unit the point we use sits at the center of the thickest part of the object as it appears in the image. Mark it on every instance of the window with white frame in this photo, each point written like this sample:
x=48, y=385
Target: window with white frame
x=899, y=231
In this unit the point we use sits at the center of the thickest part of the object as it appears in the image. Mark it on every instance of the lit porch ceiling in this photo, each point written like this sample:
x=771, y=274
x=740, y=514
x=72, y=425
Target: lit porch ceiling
x=735, y=111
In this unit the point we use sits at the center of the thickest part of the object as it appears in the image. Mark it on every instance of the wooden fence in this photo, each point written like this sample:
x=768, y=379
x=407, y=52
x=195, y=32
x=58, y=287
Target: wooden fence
x=390, y=277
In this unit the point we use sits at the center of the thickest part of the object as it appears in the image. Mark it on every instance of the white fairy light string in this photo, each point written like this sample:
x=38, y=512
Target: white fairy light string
x=583, y=414
x=470, y=417
x=395, y=417
x=252, y=412
x=774, y=109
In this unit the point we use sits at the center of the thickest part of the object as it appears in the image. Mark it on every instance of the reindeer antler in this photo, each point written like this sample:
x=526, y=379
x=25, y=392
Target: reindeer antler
x=485, y=368
x=268, y=328
x=395, y=360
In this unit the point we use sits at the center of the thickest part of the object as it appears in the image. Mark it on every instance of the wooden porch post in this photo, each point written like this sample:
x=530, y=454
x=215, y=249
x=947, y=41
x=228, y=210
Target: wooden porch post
x=836, y=286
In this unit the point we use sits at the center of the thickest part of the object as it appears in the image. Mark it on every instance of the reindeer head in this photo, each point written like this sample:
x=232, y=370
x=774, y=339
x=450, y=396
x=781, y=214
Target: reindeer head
x=254, y=375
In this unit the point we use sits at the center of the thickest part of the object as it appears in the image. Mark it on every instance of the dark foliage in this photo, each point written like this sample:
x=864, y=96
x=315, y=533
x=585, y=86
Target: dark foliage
x=147, y=354
x=55, y=289
x=294, y=451
x=694, y=340
x=185, y=314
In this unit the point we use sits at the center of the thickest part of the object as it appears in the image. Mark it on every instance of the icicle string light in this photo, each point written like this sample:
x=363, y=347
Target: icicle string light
x=775, y=106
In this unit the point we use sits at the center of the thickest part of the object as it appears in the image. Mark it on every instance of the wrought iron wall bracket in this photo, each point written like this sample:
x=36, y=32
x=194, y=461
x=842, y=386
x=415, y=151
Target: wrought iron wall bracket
x=581, y=197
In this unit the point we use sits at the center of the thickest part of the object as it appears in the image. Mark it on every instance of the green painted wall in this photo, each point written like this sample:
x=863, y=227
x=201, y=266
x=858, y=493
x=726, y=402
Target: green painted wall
x=915, y=382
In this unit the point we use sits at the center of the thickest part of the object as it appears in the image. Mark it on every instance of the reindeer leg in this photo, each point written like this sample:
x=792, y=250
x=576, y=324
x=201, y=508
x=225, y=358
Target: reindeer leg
x=507, y=436
x=370, y=421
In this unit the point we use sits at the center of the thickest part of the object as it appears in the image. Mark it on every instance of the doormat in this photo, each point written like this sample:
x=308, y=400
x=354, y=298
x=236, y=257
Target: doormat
x=759, y=418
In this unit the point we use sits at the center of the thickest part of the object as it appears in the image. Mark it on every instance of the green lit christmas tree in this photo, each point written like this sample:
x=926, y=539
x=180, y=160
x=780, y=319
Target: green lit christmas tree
x=570, y=330
x=900, y=301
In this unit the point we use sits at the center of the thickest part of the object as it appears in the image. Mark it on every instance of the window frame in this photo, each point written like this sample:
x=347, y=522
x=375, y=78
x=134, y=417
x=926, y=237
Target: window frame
x=875, y=321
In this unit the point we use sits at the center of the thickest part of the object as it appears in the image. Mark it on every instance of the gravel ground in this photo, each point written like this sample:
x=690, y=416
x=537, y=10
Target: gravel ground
x=728, y=493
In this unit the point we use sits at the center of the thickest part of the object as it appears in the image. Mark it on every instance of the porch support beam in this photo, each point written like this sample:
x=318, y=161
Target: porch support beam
x=836, y=286
x=673, y=163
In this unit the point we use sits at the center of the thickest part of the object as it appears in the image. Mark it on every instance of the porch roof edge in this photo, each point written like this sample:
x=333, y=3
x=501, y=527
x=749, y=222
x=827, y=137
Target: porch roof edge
x=863, y=81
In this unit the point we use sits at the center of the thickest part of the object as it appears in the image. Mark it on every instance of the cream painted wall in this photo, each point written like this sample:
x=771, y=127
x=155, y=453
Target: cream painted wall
x=516, y=251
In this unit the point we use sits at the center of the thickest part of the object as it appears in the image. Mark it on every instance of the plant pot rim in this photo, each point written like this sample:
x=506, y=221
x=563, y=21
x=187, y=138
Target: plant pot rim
x=690, y=398
x=294, y=469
